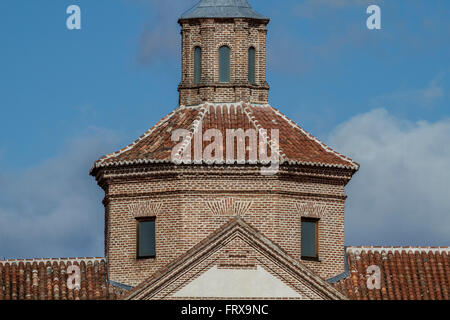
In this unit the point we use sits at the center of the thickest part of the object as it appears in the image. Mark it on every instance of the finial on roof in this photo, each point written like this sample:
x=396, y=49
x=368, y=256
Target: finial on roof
x=222, y=9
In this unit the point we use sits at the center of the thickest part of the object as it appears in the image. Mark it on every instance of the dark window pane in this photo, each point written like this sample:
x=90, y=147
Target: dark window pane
x=309, y=239
x=224, y=64
x=251, y=65
x=147, y=239
x=197, y=65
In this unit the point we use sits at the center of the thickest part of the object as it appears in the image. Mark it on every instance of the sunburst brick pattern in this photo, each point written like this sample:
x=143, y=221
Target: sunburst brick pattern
x=229, y=207
x=311, y=209
x=145, y=208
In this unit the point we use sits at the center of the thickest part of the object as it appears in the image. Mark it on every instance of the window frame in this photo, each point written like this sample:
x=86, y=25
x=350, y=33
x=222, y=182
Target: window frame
x=316, y=221
x=138, y=221
x=221, y=65
x=196, y=65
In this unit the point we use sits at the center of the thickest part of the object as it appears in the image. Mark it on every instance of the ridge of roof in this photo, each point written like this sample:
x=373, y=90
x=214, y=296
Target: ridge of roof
x=193, y=129
x=45, y=260
x=358, y=249
x=254, y=121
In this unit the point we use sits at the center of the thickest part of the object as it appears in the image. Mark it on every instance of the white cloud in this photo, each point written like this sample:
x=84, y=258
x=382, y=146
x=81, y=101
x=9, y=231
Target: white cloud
x=400, y=196
x=424, y=97
x=55, y=209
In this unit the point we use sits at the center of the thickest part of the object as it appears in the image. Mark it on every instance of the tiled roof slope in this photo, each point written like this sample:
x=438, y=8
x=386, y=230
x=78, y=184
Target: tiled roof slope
x=296, y=146
x=46, y=279
x=407, y=273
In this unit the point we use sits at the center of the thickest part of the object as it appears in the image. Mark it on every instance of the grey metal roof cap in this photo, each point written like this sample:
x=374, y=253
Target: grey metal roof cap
x=223, y=9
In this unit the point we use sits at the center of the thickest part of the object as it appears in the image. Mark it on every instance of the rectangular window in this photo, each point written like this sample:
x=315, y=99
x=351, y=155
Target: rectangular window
x=146, y=238
x=310, y=238
x=251, y=65
x=224, y=64
x=197, y=65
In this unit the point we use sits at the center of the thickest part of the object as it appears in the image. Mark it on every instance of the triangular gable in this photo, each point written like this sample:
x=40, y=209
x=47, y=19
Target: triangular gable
x=235, y=255
x=237, y=283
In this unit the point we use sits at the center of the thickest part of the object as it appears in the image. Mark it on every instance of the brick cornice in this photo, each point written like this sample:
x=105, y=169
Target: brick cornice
x=151, y=172
x=215, y=85
x=208, y=193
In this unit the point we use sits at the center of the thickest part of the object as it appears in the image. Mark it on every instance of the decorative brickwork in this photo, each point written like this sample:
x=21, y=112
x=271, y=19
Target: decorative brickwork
x=237, y=256
x=235, y=246
x=311, y=209
x=145, y=209
x=229, y=206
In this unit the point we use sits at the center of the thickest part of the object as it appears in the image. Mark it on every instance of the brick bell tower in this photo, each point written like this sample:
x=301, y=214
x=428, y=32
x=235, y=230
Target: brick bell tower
x=158, y=210
x=223, y=53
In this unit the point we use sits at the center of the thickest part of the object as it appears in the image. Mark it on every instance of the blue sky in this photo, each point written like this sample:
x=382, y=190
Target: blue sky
x=68, y=97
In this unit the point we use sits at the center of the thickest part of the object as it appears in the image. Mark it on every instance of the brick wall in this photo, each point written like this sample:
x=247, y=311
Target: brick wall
x=190, y=203
x=236, y=254
x=210, y=34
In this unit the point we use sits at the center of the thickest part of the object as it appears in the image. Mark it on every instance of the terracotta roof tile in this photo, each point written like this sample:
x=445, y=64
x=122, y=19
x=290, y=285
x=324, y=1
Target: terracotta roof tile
x=407, y=273
x=46, y=279
x=296, y=146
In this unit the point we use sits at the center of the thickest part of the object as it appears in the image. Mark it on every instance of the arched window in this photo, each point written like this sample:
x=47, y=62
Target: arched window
x=224, y=64
x=197, y=65
x=251, y=65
